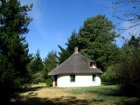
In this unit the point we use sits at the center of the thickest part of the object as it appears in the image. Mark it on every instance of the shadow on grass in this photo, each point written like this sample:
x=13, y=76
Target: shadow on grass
x=69, y=100
x=128, y=102
x=31, y=89
x=26, y=89
x=106, y=94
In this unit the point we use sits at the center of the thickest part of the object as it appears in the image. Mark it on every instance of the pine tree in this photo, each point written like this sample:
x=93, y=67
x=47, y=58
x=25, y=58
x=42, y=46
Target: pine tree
x=50, y=63
x=95, y=40
x=13, y=46
x=63, y=54
x=36, y=68
x=71, y=44
x=36, y=64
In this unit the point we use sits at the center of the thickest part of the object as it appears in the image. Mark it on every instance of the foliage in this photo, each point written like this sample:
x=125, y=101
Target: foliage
x=50, y=63
x=129, y=70
x=110, y=76
x=36, y=68
x=37, y=77
x=13, y=47
x=36, y=64
x=129, y=77
x=71, y=44
x=63, y=54
x=95, y=40
x=126, y=72
x=49, y=82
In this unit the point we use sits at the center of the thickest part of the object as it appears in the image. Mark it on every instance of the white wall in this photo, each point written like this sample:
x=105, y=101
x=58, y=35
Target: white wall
x=80, y=81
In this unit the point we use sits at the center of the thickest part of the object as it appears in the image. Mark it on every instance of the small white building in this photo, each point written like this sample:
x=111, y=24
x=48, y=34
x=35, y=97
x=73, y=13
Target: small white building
x=76, y=71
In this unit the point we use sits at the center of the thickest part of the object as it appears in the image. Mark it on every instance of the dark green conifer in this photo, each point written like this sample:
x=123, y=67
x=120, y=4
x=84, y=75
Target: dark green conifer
x=13, y=47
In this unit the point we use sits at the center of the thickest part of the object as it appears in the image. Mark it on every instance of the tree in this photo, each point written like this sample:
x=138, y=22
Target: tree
x=13, y=47
x=127, y=11
x=129, y=73
x=126, y=71
x=95, y=40
x=36, y=64
x=36, y=68
x=63, y=54
x=71, y=44
x=50, y=63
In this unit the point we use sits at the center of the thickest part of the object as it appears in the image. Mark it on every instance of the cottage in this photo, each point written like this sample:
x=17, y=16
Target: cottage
x=76, y=71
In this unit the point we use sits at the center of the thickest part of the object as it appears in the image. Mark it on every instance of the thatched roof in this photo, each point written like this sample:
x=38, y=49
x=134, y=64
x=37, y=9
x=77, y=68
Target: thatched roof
x=75, y=64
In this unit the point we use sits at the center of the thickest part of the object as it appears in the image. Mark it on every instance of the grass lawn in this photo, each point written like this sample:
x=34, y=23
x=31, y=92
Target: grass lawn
x=99, y=95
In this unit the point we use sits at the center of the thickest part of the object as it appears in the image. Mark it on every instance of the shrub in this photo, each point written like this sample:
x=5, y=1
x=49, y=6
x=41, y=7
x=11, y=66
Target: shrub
x=111, y=74
x=49, y=82
x=37, y=77
x=129, y=77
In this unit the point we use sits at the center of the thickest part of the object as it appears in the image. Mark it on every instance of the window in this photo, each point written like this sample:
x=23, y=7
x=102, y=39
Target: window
x=72, y=78
x=93, y=76
x=92, y=65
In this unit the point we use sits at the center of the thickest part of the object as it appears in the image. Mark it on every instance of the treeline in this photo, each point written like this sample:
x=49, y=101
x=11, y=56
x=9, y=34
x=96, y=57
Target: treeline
x=39, y=68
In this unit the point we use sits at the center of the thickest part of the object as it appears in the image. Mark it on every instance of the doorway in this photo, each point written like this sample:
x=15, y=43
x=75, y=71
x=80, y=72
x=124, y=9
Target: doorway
x=55, y=79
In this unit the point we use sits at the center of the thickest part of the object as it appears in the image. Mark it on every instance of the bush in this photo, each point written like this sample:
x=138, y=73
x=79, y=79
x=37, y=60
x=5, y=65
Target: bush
x=111, y=75
x=129, y=77
x=37, y=77
x=49, y=82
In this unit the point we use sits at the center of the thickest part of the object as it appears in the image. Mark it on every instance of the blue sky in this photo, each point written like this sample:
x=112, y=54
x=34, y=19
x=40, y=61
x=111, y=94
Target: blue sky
x=54, y=21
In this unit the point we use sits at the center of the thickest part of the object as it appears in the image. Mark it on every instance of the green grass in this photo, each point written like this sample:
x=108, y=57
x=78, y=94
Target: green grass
x=104, y=89
x=98, y=95
x=105, y=95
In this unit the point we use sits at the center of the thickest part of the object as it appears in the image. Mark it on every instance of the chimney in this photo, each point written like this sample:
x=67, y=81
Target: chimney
x=76, y=49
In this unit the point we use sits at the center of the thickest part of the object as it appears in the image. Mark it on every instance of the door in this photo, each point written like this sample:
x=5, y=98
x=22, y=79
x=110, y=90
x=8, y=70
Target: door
x=55, y=79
